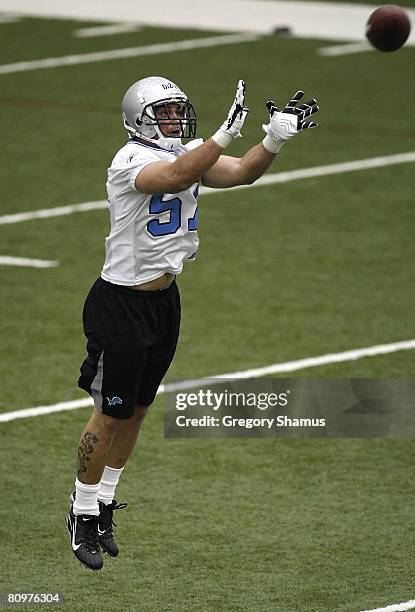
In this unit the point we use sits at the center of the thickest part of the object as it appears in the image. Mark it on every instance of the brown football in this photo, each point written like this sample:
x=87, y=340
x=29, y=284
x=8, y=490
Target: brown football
x=388, y=27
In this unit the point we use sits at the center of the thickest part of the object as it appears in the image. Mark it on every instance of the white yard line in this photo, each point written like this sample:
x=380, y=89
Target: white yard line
x=289, y=366
x=268, y=179
x=347, y=49
x=109, y=30
x=293, y=366
x=316, y=171
x=25, y=262
x=40, y=410
x=46, y=213
x=401, y=607
x=101, y=56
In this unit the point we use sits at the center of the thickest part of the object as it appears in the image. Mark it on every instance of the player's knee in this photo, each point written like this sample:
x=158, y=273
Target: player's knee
x=140, y=413
x=106, y=423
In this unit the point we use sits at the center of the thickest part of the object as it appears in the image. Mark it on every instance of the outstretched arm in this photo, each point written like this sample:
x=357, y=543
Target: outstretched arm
x=231, y=171
x=166, y=177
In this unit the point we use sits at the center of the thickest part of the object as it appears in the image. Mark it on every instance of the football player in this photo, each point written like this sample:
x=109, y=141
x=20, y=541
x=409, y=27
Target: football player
x=132, y=312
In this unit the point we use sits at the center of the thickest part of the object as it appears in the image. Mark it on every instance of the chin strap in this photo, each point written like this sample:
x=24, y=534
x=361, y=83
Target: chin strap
x=170, y=144
x=164, y=142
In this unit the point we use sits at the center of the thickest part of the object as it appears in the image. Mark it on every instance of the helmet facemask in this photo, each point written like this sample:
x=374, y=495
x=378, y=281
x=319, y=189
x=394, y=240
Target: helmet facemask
x=157, y=117
x=178, y=113
x=156, y=109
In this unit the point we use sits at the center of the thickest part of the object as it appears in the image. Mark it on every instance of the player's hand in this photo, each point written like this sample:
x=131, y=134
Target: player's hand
x=231, y=127
x=237, y=113
x=285, y=124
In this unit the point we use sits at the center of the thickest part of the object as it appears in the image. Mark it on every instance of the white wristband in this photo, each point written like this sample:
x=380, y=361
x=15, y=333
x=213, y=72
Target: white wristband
x=272, y=144
x=222, y=138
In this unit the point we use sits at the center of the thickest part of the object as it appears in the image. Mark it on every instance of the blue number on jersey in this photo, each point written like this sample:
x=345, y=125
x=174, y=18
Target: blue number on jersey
x=174, y=206
x=157, y=206
x=193, y=223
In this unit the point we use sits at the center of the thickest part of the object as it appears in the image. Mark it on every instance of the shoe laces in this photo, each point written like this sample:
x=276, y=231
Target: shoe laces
x=106, y=514
x=90, y=532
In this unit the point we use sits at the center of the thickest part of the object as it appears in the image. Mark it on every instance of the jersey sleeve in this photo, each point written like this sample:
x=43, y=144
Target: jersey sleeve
x=193, y=144
x=136, y=163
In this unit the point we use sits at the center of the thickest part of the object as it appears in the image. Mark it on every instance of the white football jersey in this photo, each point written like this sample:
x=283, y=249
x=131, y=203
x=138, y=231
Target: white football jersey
x=150, y=234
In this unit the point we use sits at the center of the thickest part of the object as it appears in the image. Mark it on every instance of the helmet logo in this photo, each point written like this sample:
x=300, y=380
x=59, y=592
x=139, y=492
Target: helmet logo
x=168, y=86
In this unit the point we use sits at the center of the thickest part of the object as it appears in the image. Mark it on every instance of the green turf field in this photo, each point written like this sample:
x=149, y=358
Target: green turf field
x=286, y=271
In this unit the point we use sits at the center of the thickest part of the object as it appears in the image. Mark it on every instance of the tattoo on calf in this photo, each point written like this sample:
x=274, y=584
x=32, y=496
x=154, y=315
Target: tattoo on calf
x=85, y=449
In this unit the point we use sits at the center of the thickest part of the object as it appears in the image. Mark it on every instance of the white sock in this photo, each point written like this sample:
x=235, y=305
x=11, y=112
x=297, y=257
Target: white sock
x=86, y=498
x=108, y=484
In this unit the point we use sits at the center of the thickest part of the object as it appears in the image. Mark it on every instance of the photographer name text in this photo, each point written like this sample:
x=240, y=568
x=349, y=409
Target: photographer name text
x=247, y=423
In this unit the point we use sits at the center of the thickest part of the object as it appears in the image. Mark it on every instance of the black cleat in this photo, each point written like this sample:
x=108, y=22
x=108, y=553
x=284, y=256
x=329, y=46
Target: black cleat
x=83, y=530
x=105, y=524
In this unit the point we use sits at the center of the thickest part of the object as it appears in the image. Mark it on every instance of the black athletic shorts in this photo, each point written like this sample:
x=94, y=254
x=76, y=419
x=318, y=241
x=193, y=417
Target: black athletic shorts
x=132, y=337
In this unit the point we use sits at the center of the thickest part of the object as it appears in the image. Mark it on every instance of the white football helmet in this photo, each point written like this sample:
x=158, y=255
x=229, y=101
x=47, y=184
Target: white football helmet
x=144, y=99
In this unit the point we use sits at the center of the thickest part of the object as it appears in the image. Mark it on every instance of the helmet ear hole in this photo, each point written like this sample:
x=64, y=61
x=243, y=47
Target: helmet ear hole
x=138, y=122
